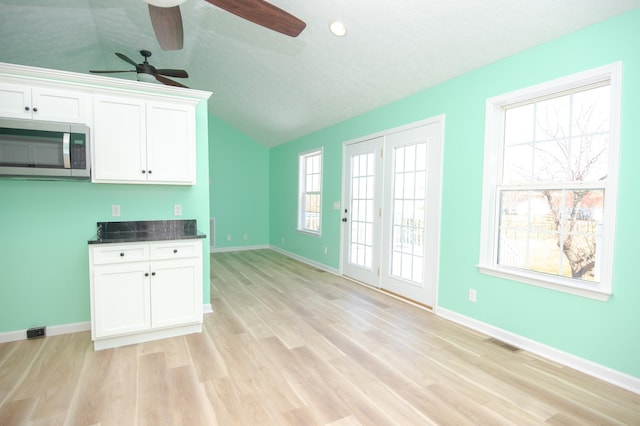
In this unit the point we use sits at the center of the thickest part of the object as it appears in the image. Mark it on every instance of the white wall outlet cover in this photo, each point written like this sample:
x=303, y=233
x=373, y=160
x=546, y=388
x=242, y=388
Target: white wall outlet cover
x=336, y=205
x=115, y=210
x=177, y=209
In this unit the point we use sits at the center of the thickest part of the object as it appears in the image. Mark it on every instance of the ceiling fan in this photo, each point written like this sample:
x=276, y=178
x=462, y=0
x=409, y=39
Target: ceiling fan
x=167, y=20
x=146, y=68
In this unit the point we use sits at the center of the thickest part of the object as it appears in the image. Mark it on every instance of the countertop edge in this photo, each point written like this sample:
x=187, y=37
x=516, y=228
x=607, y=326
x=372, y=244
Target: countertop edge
x=150, y=239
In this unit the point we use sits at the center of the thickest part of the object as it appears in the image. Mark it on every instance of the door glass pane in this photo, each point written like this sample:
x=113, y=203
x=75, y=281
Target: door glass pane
x=362, y=185
x=409, y=176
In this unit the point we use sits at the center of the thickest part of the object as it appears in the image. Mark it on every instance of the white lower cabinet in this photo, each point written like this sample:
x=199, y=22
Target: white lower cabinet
x=145, y=291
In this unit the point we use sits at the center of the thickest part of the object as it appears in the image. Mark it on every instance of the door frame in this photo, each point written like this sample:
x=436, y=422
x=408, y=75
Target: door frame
x=435, y=275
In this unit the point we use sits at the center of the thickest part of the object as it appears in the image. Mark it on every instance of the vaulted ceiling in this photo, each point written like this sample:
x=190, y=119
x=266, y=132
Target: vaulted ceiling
x=276, y=88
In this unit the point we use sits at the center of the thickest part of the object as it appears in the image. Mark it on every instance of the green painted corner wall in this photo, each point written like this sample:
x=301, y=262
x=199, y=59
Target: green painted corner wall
x=602, y=332
x=239, y=175
x=45, y=226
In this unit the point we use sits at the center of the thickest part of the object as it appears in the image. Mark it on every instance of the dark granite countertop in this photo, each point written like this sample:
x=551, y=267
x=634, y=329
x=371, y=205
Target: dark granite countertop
x=146, y=230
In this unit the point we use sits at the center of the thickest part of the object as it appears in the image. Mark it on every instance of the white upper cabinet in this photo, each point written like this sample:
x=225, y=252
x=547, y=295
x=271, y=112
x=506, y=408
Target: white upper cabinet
x=171, y=143
x=140, y=132
x=41, y=103
x=140, y=141
x=119, y=139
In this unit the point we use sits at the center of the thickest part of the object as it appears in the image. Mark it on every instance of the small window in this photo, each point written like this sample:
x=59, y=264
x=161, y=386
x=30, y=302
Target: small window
x=549, y=184
x=310, y=191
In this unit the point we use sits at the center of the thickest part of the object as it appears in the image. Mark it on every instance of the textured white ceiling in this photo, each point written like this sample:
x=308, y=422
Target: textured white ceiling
x=275, y=88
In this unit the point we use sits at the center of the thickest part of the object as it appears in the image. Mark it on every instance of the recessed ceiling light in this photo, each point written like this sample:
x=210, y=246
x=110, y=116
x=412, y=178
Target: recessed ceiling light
x=338, y=29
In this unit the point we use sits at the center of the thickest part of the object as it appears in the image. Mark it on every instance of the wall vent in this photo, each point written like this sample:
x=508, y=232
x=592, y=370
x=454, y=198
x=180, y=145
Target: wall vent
x=212, y=231
x=502, y=344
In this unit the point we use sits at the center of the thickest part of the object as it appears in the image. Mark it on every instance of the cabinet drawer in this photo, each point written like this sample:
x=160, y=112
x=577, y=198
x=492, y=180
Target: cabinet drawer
x=120, y=253
x=174, y=250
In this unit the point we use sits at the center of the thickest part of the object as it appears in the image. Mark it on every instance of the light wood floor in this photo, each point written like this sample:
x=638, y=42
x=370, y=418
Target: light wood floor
x=289, y=344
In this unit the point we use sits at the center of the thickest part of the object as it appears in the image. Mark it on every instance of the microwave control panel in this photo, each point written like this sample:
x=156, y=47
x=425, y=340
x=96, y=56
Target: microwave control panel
x=78, y=152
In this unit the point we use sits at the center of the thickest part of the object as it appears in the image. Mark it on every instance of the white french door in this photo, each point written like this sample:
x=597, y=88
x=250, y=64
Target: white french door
x=361, y=212
x=391, y=210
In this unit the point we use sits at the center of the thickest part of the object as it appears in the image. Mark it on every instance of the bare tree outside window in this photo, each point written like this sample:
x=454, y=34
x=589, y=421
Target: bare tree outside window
x=552, y=193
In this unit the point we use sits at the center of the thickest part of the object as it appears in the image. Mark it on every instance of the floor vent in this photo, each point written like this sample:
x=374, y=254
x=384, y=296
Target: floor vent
x=502, y=344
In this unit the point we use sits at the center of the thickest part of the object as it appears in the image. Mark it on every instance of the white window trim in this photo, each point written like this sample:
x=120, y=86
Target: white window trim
x=492, y=160
x=300, y=226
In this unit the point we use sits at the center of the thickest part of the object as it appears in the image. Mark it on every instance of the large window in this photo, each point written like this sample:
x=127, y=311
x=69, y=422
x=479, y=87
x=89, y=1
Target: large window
x=310, y=191
x=549, y=184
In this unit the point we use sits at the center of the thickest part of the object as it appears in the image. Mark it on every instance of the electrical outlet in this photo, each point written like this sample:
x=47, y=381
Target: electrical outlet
x=228, y=237
x=115, y=210
x=325, y=250
x=472, y=295
x=177, y=209
x=245, y=237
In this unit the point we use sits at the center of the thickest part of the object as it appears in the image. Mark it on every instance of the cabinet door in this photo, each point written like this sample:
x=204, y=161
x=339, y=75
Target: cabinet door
x=15, y=101
x=119, y=140
x=121, y=299
x=45, y=104
x=176, y=292
x=59, y=105
x=171, y=143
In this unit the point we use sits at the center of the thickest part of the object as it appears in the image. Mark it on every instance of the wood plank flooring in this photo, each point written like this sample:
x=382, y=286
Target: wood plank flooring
x=288, y=344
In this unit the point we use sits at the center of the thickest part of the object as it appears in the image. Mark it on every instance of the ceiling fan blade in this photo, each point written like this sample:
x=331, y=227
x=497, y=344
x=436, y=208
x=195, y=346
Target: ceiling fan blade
x=173, y=73
x=106, y=72
x=167, y=24
x=126, y=59
x=263, y=13
x=168, y=82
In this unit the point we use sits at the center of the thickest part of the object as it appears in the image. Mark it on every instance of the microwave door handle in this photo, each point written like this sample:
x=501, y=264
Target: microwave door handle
x=66, y=156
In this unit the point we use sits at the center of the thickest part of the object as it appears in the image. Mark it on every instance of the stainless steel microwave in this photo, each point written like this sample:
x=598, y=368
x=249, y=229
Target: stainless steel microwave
x=40, y=149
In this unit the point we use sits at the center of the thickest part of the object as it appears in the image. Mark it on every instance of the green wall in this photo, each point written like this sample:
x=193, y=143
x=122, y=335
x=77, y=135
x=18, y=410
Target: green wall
x=239, y=173
x=45, y=225
x=603, y=332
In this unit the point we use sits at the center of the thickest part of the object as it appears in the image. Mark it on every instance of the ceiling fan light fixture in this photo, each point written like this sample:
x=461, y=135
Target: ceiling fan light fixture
x=165, y=3
x=147, y=78
x=338, y=28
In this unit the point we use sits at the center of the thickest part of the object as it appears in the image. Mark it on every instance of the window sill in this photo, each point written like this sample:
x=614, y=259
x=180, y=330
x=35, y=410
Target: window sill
x=310, y=233
x=534, y=279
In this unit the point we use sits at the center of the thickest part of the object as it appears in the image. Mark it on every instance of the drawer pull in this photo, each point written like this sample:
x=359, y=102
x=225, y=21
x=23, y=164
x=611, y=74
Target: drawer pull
x=175, y=250
x=146, y=274
x=121, y=254
x=153, y=274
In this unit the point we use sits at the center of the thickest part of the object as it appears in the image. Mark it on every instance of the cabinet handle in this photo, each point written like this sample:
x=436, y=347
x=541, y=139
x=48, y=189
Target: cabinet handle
x=143, y=171
x=153, y=274
x=27, y=108
x=175, y=250
x=35, y=110
x=121, y=254
x=149, y=172
x=146, y=274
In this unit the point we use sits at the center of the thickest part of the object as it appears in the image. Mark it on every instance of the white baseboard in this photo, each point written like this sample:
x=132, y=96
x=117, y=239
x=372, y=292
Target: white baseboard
x=305, y=260
x=591, y=368
x=239, y=248
x=53, y=330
